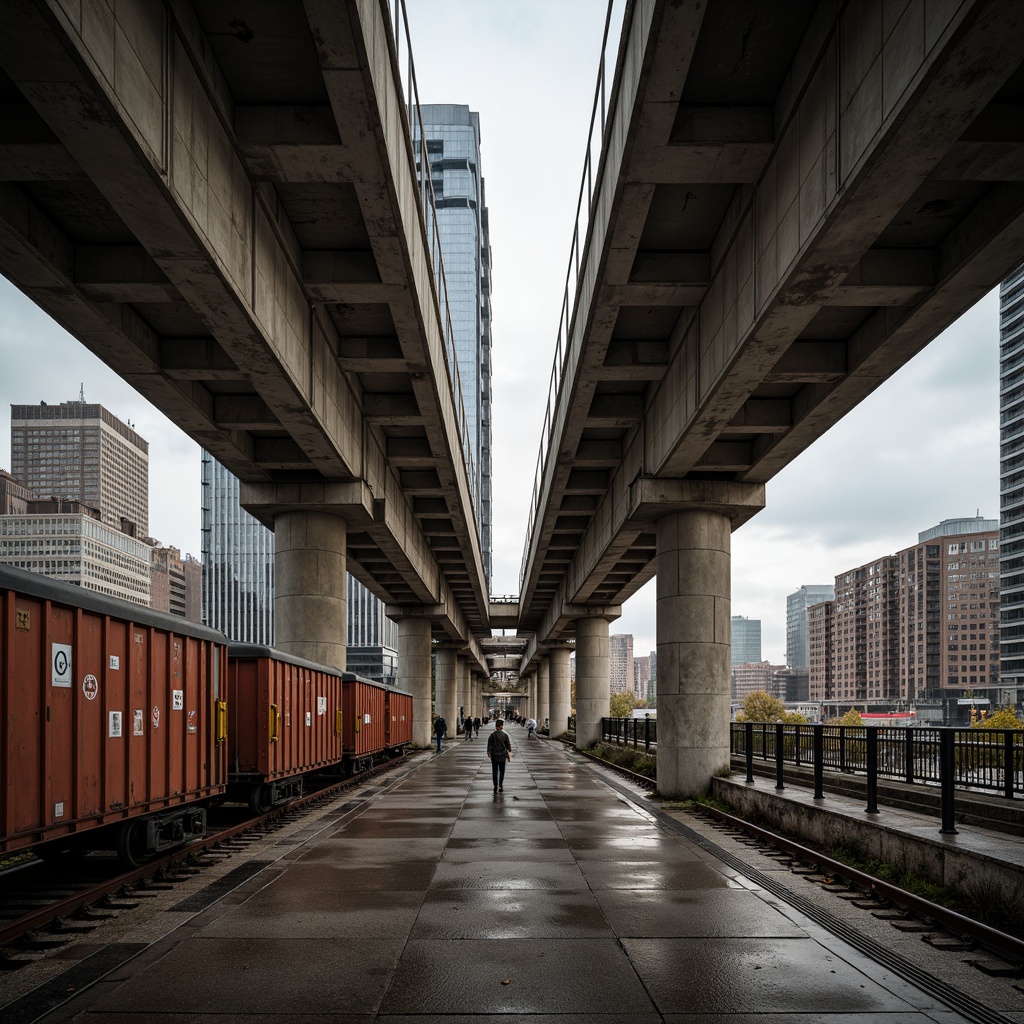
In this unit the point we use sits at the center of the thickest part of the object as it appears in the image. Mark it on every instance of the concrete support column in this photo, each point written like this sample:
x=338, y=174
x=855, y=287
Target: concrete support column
x=593, y=684
x=309, y=586
x=462, y=690
x=414, y=674
x=694, y=646
x=543, y=691
x=444, y=684
x=560, y=691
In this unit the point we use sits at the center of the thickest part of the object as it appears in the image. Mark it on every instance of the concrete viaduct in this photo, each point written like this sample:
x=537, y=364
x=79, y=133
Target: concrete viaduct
x=792, y=199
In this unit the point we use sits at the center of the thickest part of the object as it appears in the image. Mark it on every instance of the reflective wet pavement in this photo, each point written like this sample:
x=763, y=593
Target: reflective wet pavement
x=556, y=900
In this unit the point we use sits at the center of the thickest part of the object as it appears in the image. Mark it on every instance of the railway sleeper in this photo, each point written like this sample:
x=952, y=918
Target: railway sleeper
x=947, y=941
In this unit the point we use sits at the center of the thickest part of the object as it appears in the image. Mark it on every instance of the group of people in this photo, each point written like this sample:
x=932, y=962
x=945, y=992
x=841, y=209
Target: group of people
x=499, y=746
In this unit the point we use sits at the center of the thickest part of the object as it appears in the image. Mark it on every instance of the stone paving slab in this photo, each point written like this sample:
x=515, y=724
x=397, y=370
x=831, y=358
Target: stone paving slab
x=556, y=902
x=501, y=914
x=515, y=976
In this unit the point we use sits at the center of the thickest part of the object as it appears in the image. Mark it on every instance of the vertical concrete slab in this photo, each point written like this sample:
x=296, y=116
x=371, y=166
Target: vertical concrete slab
x=414, y=673
x=309, y=586
x=593, y=681
x=561, y=691
x=694, y=638
x=444, y=684
x=543, y=691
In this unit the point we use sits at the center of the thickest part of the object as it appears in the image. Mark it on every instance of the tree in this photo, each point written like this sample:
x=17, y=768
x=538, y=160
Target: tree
x=763, y=707
x=1001, y=718
x=621, y=705
x=852, y=717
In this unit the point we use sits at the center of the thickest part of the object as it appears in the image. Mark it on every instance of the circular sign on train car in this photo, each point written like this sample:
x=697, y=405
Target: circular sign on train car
x=90, y=687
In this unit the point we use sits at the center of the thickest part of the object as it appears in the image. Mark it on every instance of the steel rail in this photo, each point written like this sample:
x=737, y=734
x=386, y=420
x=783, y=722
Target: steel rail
x=179, y=857
x=1007, y=946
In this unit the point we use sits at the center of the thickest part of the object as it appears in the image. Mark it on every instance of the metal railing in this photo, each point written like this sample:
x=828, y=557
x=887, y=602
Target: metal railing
x=631, y=732
x=416, y=137
x=604, y=95
x=990, y=760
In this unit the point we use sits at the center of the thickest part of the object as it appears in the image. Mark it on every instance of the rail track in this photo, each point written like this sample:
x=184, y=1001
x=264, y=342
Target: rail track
x=939, y=925
x=45, y=904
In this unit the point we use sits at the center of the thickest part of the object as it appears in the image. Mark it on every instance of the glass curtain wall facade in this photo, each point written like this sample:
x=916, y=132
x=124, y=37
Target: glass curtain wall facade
x=797, y=640
x=1011, y=487
x=453, y=151
x=238, y=561
x=238, y=582
x=746, y=640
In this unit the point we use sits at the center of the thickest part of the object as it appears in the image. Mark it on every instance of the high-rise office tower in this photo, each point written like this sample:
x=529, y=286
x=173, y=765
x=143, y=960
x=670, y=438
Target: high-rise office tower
x=620, y=662
x=1011, y=486
x=78, y=499
x=746, y=640
x=238, y=582
x=797, y=653
x=452, y=133
x=238, y=561
x=84, y=453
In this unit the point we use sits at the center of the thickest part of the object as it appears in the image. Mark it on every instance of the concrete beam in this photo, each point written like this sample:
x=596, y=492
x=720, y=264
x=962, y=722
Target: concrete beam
x=197, y=359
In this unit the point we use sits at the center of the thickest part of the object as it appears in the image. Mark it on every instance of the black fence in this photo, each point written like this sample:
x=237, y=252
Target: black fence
x=991, y=760
x=631, y=732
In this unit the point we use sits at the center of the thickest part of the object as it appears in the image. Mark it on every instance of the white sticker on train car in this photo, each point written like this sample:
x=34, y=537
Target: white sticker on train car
x=366, y=719
x=321, y=705
x=177, y=700
x=138, y=716
x=115, y=662
x=115, y=725
x=309, y=718
x=60, y=663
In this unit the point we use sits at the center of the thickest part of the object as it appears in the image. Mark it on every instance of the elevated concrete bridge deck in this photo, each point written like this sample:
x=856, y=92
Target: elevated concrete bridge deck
x=222, y=203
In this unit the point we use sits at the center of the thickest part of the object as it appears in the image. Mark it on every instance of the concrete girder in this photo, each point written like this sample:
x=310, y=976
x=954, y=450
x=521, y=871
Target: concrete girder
x=823, y=215
x=218, y=235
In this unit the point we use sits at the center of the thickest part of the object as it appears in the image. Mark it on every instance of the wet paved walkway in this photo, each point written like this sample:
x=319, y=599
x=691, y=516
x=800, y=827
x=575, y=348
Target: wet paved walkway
x=557, y=900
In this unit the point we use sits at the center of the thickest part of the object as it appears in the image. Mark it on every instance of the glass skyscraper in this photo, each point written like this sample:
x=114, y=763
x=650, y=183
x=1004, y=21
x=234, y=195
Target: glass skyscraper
x=238, y=561
x=238, y=582
x=1011, y=486
x=797, y=649
x=746, y=640
x=452, y=134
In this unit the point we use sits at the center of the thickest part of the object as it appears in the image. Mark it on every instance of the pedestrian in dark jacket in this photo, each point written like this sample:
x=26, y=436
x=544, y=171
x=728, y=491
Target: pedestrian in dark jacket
x=440, y=731
x=499, y=750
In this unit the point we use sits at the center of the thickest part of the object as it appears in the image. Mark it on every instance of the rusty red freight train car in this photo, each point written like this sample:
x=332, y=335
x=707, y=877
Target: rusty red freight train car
x=290, y=717
x=285, y=716
x=377, y=721
x=115, y=720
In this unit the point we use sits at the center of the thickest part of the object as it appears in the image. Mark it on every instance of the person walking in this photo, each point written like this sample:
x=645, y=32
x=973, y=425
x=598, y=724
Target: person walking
x=476, y=727
x=467, y=727
x=499, y=750
x=440, y=731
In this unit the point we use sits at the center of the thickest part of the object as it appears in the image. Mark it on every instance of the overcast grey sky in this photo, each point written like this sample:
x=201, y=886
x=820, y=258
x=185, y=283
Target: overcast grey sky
x=923, y=448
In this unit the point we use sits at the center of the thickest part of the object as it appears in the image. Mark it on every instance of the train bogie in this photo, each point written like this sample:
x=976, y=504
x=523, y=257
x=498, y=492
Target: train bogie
x=113, y=712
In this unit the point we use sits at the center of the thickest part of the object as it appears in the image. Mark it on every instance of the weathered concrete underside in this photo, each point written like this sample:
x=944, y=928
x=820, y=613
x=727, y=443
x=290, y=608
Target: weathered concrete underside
x=795, y=198
x=219, y=200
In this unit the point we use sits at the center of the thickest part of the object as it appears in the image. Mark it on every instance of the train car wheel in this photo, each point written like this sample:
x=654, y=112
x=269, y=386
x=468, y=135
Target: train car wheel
x=131, y=844
x=260, y=799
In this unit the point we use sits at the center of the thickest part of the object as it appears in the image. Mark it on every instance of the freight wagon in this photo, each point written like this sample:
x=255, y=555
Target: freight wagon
x=115, y=720
x=125, y=725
